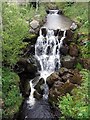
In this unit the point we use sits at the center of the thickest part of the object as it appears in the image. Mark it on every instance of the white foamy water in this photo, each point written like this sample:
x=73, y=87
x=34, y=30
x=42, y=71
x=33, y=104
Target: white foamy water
x=31, y=100
x=47, y=52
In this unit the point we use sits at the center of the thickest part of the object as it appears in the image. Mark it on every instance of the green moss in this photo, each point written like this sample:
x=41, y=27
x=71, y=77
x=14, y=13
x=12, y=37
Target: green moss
x=11, y=94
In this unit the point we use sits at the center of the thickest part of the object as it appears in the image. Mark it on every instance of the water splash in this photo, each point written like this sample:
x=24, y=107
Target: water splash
x=31, y=100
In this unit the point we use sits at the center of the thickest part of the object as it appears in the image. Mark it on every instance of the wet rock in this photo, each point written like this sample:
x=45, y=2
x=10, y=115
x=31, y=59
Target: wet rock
x=32, y=50
x=66, y=77
x=40, y=86
x=64, y=49
x=56, y=32
x=44, y=31
x=52, y=78
x=56, y=92
x=69, y=34
x=68, y=61
x=73, y=26
x=60, y=34
x=62, y=71
x=69, y=37
x=26, y=69
x=85, y=63
x=37, y=95
x=27, y=65
x=58, y=84
x=29, y=50
x=24, y=87
x=73, y=50
x=34, y=24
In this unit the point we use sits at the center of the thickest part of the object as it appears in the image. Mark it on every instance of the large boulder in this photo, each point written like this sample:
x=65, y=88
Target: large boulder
x=64, y=49
x=26, y=69
x=73, y=50
x=52, y=79
x=34, y=24
x=62, y=71
x=68, y=61
x=25, y=65
x=76, y=78
x=39, y=87
x=60, y=89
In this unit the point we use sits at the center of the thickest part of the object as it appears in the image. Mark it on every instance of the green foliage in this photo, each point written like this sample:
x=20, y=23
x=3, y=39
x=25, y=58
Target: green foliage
x=79, y=13
x=11, y=94
x=14, y=30
x=76, y=105
x=79, y=66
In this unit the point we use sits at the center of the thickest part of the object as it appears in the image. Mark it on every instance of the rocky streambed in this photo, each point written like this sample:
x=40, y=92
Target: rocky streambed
x=60, y=82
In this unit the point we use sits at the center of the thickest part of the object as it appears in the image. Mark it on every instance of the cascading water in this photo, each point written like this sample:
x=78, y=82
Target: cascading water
x=47, y=52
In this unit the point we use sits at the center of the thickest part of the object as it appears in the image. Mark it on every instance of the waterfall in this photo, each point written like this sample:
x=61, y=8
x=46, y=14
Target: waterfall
x=47, y=52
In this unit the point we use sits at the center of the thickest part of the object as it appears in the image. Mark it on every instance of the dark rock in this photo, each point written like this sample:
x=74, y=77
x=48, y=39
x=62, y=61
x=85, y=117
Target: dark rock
x=37, y=95
x=73, y=50
x=44, y=31
x=69, y=34
x=40, y=86
x=62, y=71
x=60, y=12
x=29, y=50
x=66, y=76
x=52, y=78
x=32, y=50
x=67, y=87
x=56, y=92
x=56, y=32
x=24, y=86
x=68, y=61
x=64, y=49
x=60, y=34
x=27, y=65
x=58, y=84
x=26, y=69
x=69, y=37
x=76, y=78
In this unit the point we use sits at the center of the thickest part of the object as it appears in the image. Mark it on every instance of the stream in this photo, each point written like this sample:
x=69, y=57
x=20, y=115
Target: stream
x=47, y=53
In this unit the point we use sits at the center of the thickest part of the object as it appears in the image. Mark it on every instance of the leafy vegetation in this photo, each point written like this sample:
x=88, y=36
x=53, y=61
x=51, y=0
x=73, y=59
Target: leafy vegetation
x=76, y=105
x=11, y=93
x=14, y=30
